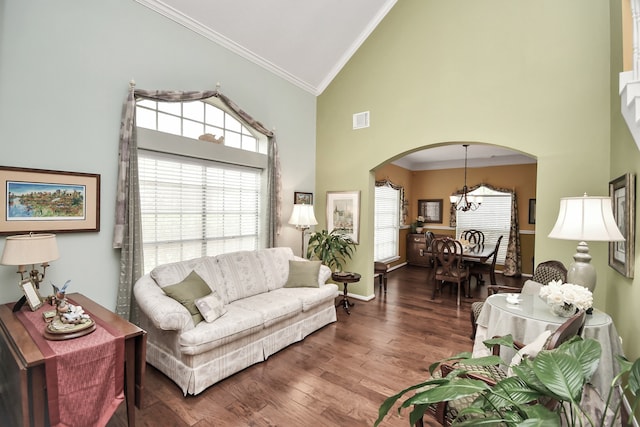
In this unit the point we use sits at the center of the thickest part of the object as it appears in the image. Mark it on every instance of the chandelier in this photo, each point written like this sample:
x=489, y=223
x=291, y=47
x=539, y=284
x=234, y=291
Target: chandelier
x=465, y=202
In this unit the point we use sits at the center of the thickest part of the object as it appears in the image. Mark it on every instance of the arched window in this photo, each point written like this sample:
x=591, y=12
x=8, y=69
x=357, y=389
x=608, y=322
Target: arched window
x=198, y=195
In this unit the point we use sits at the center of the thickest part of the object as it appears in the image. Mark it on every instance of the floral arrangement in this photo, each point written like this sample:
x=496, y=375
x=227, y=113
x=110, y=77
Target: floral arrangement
x=420, y=221
x=565, y=295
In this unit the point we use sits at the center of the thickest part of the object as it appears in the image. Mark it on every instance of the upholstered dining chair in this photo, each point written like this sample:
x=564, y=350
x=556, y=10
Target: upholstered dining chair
x=489, y=266
x=446, y=412
x=545, y=272
x=448, y=266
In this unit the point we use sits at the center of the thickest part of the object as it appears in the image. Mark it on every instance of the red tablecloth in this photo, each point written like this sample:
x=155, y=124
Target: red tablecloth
x=85, y=375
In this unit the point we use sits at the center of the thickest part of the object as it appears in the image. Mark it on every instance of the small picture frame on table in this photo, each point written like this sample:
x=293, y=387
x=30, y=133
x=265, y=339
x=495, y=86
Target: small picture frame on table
x=31, y=294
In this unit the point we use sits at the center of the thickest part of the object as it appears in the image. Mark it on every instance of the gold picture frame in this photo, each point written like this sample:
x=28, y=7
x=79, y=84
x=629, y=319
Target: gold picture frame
x=31, y=294
x=39, y=200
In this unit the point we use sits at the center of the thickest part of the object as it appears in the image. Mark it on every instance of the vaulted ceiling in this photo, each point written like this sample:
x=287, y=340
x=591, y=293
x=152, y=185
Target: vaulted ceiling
x=307, y=42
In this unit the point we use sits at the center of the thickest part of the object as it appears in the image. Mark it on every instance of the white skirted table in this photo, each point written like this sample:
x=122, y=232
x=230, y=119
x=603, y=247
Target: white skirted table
x=528, y=319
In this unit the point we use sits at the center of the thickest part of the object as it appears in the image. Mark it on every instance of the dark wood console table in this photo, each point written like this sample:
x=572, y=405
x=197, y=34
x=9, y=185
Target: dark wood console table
x=22, y=368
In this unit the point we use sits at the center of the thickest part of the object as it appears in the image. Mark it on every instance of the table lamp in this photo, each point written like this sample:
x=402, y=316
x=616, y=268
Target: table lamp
x=303, y=218
x=26, y=249
x=585, y=218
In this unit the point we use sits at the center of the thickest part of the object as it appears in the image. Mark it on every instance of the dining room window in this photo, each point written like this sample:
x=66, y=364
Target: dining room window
x=386, y=223
x=493, y=218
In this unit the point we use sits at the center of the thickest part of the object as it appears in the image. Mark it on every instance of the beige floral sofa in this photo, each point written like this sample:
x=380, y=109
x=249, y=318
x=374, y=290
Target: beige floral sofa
x=258, y=302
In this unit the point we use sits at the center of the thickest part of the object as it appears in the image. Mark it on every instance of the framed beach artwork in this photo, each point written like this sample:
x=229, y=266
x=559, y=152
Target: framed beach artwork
x=38, y=200
x=343, y=213
x=623, y=201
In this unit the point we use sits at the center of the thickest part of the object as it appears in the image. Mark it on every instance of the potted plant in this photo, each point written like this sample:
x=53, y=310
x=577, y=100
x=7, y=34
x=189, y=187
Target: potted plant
x=332, y=249
x=559, y=374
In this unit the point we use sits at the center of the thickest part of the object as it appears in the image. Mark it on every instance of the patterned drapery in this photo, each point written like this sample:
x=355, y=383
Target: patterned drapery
x=127, y=234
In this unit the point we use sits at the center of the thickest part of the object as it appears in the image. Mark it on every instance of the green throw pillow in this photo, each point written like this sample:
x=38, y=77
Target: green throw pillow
x=187, y=291
x=303, y=274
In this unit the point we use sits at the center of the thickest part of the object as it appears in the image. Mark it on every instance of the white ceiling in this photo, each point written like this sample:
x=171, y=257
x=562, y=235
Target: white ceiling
x=452, y=156
x=307, y=43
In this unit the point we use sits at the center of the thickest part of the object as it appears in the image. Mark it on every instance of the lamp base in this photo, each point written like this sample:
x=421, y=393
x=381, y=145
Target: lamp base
x=581, y=272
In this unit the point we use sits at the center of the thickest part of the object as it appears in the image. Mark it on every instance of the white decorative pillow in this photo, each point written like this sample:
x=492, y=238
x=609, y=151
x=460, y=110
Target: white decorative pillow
x=211, y=307
x=529, y=351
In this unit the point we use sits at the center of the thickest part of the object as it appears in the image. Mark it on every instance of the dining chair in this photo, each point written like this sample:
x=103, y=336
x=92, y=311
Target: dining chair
x=446, y=412
x=474, y=237
x=428, y=240
x=448, y=266
x=489, y=266
x=545, y=272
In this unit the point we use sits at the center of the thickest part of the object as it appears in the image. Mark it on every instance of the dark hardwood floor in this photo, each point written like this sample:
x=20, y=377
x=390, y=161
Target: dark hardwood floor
x=339, y=375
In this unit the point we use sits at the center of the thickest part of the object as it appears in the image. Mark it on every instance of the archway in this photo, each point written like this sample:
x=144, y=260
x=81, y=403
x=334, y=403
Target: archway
x=506, y=168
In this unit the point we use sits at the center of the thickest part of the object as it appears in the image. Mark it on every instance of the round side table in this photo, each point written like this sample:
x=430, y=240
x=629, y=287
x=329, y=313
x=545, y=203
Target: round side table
x=345, y=278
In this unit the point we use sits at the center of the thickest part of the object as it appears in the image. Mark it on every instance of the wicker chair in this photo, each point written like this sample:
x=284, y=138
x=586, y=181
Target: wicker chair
x=545, y=272
x=446, y=412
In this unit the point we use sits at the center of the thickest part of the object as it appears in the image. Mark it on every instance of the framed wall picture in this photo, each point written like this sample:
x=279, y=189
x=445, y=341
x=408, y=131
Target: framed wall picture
x=38, y=200
x=31, y=294
x=430, y=210
x=532, y=211
x=300, y=198
x=623, y=200
x=343, y=213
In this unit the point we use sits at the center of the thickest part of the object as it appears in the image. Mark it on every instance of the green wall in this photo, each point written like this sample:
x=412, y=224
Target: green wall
x=531, y=76
x=623, y=294
x=64, y=73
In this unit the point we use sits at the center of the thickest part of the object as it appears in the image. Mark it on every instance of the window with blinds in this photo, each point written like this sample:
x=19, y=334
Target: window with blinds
x=493, y=218
x=194, y=207
x=386, y=223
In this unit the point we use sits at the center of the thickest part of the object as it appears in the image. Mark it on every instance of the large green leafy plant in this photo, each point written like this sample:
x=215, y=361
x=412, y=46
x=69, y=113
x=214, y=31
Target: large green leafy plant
x=559, y=374
x=332, y=249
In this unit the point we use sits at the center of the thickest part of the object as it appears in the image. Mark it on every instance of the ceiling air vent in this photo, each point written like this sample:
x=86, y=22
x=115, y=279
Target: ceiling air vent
x=361, y=120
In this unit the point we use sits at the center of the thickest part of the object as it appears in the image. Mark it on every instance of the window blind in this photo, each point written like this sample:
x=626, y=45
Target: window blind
x=194, y=207
x=386, y=223
x=493, y=218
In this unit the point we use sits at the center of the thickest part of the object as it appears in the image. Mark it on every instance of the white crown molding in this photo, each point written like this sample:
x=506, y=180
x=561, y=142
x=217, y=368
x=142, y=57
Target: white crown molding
x=355, y=46
x=225, y=42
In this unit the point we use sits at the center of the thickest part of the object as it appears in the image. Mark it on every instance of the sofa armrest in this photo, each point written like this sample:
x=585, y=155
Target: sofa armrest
x=164, y=312
x=324, y=275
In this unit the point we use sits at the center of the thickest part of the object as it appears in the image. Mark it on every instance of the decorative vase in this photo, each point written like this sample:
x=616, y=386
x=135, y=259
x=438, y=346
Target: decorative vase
x=419, y=229
x=563, y=310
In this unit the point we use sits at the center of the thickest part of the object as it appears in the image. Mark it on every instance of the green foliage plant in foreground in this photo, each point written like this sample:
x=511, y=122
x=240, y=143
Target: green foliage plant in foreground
x=559, y=374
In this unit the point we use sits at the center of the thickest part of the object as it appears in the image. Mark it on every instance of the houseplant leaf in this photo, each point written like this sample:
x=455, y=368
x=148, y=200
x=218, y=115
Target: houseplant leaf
x=560, y=373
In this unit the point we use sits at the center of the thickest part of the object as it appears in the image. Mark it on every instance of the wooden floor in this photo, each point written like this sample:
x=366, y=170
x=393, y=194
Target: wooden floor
x=339, y=375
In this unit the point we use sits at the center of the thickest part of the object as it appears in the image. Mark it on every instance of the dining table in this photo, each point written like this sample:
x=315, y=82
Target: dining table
x=531, y=316
x=478, y=253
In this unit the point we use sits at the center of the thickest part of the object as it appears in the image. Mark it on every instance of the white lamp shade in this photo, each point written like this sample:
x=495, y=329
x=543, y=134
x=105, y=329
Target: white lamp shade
x=586, y=219
x=29, y=249
x=302, y=216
